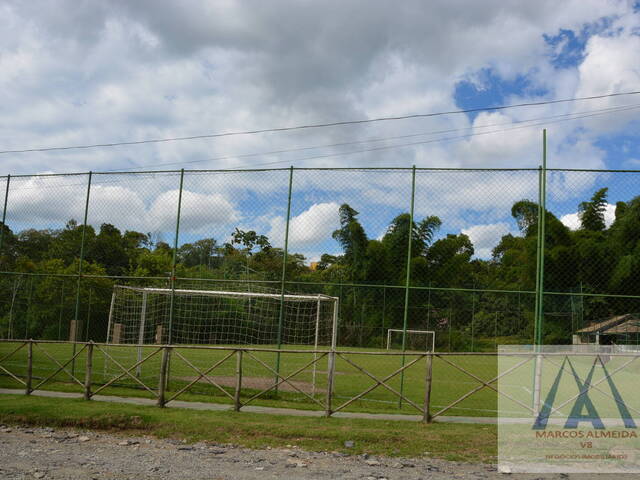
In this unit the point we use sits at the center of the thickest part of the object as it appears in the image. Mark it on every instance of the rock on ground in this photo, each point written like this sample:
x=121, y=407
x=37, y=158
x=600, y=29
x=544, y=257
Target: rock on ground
x=51, y=454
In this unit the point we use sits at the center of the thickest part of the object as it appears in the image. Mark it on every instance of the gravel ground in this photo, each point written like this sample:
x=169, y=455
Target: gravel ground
x=47, y=453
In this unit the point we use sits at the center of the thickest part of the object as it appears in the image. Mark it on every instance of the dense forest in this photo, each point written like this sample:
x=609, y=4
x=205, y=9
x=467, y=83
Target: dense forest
x=470, y=301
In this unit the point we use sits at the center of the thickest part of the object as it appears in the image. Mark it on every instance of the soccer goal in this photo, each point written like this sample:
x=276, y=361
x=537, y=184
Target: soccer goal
x=415, y=340
x=144, y=316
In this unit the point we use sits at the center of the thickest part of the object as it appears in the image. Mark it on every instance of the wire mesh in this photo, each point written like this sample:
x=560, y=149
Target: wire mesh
x=474, y=275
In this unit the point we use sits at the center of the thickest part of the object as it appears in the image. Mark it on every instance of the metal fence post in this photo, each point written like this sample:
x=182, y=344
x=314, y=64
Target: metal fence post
x=537, y=385
x=172, y=280
x=407, y=284
x=427, y=389
x=88, y=372
x=542, y=216
x=4, y=214
x=283, y=277
x=76, y=315
x=543, y=196
x=162, y=381
x=27, y=389
x=236, y=396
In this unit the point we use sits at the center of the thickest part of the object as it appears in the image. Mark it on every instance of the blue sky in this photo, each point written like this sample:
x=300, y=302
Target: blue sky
x=127, y=71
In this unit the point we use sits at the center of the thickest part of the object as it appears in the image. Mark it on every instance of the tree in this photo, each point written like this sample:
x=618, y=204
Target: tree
x=326, y=261
x=198, y=253
x=396, y=241
x=109, y=250
x=35, y=244
x=67, y=242
x=250, y=239
x=448, y=260
x=353, y=240
x=625, y=240
x=592, y=213
x=526, y=214
x=426, y=230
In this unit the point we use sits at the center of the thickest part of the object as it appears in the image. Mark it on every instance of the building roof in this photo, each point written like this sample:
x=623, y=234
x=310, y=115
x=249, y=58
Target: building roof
x=627, y=323
x=630, y=326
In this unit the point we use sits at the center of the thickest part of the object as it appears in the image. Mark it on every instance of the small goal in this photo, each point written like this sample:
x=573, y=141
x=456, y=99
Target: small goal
x=414, y=340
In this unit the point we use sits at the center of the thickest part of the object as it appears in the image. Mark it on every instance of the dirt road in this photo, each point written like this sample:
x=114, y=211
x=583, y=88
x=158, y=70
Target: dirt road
x=46, y=453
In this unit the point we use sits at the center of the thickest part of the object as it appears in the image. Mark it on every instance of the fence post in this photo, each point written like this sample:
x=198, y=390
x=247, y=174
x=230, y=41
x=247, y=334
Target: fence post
x=283, y=277
x=27, y=389
x=542, y=217
x=172, y=280
x=76, y=315
x=174, y=259
x=4, y=214
x=162, y=381
x=88, y=371
x=330, y=371
x=537, y=385
x=407, y=284
x=427, y=389
x=236, y=396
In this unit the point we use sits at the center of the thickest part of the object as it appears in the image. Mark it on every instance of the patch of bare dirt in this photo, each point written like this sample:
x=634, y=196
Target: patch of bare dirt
x=257, y=383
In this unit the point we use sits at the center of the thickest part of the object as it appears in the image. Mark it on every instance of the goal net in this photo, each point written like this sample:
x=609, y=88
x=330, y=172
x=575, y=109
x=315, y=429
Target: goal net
x=144, y=317
x=141, y=315
x=414, y=340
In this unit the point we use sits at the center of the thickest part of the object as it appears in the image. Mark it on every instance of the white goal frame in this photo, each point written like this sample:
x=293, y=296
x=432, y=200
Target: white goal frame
x=145, y=291
x=228, y=294
x=425, y=332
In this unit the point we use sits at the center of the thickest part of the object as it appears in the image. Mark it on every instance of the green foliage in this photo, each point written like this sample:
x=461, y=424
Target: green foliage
x=592, y=213
x=593, y=259
x=353, y=240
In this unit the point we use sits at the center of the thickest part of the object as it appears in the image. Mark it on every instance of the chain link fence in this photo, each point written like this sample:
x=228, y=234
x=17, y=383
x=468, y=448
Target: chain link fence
x=444, y=250
x=461, y=253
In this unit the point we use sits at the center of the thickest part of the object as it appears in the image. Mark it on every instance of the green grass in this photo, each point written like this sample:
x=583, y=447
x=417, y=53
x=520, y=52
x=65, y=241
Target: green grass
x=457, y=442
x=448, y=382
x=559, y=385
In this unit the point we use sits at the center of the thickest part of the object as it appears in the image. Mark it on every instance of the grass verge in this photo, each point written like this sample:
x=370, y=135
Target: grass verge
x=458, y=442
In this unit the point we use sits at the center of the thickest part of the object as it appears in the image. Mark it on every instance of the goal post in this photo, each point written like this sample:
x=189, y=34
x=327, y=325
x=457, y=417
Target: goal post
x=416, y=340
x=140, y=315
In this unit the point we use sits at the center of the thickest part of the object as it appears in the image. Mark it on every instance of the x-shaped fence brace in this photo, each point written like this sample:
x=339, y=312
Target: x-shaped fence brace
x=482, y=385
x=281, y=379
x=126, y=371
x=61, y=367
x=6, y=357
x=202, y=375
x=379, y=383
x=592, y=386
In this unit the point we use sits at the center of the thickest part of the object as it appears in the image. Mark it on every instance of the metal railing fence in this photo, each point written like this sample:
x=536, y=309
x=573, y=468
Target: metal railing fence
x=239, y=376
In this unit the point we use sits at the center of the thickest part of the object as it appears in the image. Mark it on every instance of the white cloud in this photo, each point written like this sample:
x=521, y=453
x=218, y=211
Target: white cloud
x=486, y=237
x=572, y=220
x=74, y=74
x=311, y=226
x=199, y=212
x=49, y=202
x=97, y=72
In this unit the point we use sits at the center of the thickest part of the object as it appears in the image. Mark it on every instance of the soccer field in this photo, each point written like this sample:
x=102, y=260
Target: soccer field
x=258, y=367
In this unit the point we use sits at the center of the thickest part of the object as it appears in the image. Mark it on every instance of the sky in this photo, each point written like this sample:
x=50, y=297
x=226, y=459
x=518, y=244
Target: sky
x=85, y=72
